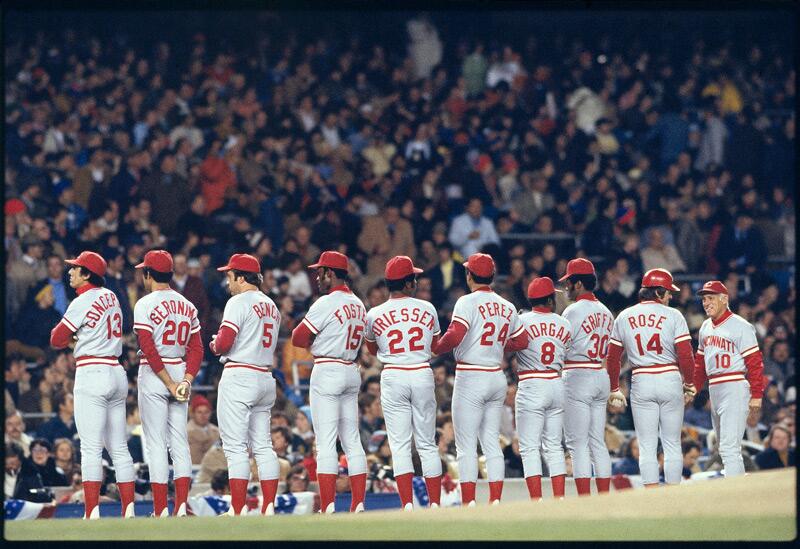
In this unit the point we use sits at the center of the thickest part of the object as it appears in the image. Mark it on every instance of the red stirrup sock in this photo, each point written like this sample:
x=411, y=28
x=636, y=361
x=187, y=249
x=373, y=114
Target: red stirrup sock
x=181, y=493
x=91, y=496
x=404, y=488
x=558, y=485
x=603, y=484
x=358, y=487
x=583, y=486
x=125, y=494
x=238, y=494
x=534, y=486
x=495, y=490
x=159, y=490
x=327, y=489
x=467, y=492
x=434, y=485
x=269, y=489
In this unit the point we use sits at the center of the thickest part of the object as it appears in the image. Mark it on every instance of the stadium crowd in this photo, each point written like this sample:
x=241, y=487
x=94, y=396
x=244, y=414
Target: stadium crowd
x=534, y=154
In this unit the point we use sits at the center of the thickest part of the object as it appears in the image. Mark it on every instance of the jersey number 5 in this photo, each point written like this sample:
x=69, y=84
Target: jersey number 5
x=266, y=341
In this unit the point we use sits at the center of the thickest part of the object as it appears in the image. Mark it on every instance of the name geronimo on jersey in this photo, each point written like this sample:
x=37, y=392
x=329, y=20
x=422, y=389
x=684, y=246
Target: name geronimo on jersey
x=161, y=311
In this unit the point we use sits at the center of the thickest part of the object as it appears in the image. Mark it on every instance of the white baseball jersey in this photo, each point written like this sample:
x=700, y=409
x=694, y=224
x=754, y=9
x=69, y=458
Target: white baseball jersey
x=96, y=318
x=403, y=328
x=337, y=320
x=591, y=323
x=170, y=318
x=490, y=321
x=255, y=319
x=725, y=346
x=649, y=331
x=550, y=336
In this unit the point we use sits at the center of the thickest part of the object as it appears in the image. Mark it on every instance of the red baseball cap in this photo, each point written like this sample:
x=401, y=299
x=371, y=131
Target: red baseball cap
x=659, y=278
x=14, y=206
x=578, y=266
x=399, y=267
x=713, y=287
x=90, y=260
x=541, y=287
x=332, y=260
x=242, y=262
x=199, y=400
x=480, y=265
x=158, y=260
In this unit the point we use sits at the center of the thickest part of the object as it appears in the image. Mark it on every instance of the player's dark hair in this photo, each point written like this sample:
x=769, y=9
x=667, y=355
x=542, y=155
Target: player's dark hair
x=546, y=301
x=400, y=284
x=365, y=401
x=589, y=281
x=482, y=279
x=651, y=294
x=287, y=434
x=94, y=279
x=341, y=274
x=256, y=279
x=161, y=278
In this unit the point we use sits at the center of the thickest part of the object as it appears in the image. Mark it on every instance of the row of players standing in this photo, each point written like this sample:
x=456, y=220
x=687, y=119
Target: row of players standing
x=568, y=368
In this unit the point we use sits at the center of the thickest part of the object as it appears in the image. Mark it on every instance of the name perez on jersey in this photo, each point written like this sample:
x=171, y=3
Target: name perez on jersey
x=495, y=309
x=597, y=320
x=99, y=306
x=350, y=311
x=719, y=342
x=162, y=311
x=645, y=321
x=541, y=329
x=390, y=318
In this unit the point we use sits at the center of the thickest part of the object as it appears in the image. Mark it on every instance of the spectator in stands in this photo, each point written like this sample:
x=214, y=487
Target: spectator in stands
x=281, y=444
x=754, y=430
x=15, y=433
x=302, y=424
x=45, y=464
x=64, y=456
x=660, y=255
x=23, y=273
x=446, y=274
x=385, y=236
x=37, y=318
x=443, y=386
x=201, y=432
x=371, y=414
x=63, y=425
x=297, y=480
x=741, y=246
x=778, y=453
x=699, y=414
x=629, y=464
x=219, y=484
x=471, y=230
x=691, y=452
x=780, y=364
x=191, y=287
x=22, y=481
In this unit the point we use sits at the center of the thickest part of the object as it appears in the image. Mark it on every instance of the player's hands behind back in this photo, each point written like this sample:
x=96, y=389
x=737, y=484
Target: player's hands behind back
x=616, y=400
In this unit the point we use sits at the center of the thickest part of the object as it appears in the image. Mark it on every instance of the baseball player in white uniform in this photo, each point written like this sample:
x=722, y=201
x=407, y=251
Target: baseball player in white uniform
x=333, y=328
x=400, y=332
x=586, y=386
x=94, y=320
x=727, y=351
x=484, y=326
x=168, y=331
x=540, y=395
x=656, y=339
x=246, y=343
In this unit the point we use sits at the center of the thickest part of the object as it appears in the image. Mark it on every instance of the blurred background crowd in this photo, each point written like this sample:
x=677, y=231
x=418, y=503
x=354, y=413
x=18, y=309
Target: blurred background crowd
x=432, y=136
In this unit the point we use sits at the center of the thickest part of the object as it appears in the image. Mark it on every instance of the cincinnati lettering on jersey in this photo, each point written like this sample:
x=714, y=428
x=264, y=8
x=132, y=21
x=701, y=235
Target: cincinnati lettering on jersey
x=405, y=314
x=493, y=308
x=597, y=320
x=350, y=311
x=162, y=311
x=646, y=321
x=264, y=309
x=720, y=342
x=100, y=305
x=549, y=329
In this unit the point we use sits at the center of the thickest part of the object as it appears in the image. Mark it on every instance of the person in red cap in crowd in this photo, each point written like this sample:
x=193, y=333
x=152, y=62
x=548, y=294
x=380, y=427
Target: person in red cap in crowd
x=729, y=358
x=333, y=329
x=246, y=343
x=94, y=320
x=656, y=339
x=484, y=327
x=168, y=330
x=586, y=386
x=201, y=432
x=400, y=332
x=539, y=405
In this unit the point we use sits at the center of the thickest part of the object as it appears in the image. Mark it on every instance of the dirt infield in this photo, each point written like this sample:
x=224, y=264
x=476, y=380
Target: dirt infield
x=761, y=506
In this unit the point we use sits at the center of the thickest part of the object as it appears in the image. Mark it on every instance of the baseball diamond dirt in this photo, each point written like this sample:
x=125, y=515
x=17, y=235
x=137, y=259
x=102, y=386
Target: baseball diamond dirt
x=713, y=510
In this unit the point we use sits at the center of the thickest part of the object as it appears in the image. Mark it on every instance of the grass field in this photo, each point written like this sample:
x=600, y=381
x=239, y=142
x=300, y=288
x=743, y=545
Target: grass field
x=761, y=506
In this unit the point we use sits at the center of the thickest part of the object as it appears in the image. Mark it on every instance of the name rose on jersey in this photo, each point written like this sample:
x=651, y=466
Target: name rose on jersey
x=598, y=320
x=162, y=310
x=103, y=303
x=405, y=314
x=646, y=321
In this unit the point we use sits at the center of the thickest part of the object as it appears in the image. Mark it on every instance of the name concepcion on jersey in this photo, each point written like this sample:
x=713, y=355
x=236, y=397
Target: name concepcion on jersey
x=404, y=329
x=96, y=318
